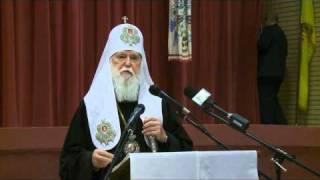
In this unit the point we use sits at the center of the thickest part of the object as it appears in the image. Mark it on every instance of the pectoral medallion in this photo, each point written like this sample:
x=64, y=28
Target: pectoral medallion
x=131, y=145
x=105, y=132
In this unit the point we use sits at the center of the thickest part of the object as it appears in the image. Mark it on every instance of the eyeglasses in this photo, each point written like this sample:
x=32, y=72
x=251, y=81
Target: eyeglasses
x=124, y=56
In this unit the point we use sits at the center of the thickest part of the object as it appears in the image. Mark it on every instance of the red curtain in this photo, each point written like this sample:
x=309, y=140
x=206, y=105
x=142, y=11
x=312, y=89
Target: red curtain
x=49, y=50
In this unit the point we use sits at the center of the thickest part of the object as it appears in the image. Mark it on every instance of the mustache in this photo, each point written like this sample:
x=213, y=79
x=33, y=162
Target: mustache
x=127, y=70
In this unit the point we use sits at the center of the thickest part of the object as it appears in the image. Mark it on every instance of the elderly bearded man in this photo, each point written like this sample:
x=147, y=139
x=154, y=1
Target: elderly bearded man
x=121, y=82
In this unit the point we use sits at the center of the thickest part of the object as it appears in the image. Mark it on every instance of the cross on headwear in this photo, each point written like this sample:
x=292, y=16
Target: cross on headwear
x=124, y=18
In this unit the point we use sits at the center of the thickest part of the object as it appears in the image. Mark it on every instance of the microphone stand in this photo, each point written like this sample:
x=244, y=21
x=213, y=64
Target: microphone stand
x=189, y=117
x=202, y=129
x=107, y=170
x=279, y=154
x=183, y=113
x=277, y=160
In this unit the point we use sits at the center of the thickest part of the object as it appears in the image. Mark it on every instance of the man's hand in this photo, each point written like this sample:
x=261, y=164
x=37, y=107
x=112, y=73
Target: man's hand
x=153, y=127
x=101, y=158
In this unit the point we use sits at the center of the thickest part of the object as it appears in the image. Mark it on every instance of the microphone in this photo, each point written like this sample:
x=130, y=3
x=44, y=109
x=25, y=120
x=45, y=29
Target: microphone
x=155, y=90
x=202, y=97
x=204, y=100
x=137, y=111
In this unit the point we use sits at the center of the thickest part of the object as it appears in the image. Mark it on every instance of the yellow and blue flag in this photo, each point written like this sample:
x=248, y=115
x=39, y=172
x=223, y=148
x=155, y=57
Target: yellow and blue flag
x=308, y=46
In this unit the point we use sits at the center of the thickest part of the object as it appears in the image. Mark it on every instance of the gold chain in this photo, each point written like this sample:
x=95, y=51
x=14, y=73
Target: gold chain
x=121, y=115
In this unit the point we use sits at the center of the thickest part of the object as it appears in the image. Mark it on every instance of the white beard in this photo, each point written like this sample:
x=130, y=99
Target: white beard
x=125, y=89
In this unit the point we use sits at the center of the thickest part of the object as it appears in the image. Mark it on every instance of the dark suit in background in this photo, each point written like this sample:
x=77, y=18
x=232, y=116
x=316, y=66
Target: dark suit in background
x=272, y=54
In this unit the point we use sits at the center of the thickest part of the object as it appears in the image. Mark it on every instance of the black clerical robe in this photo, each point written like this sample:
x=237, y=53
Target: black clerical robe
x=75, y=159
